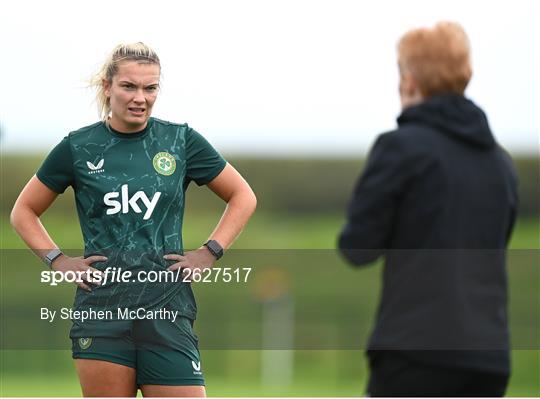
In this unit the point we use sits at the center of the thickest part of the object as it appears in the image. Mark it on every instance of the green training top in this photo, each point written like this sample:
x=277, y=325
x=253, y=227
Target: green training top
x=129, y=191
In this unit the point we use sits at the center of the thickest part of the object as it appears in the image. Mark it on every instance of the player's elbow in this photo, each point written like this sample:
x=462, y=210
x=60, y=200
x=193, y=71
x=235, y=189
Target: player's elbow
x=249, y=200
x=253, y=200
x=13, y=217
x=16, y=217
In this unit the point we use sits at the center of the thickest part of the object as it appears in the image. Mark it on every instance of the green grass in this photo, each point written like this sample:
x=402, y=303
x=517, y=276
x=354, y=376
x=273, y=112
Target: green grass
x=323, y=374
x=68, y=386
x=264, y=231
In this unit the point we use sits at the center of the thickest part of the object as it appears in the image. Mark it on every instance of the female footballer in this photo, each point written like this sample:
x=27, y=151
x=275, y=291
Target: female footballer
x=129, y=173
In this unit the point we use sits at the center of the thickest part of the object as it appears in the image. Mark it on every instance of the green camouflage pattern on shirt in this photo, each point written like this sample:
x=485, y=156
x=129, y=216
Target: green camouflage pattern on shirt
x=129, y=193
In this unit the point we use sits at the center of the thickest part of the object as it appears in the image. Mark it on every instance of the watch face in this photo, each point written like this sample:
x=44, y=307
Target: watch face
x=51, y=256
x=215, y=248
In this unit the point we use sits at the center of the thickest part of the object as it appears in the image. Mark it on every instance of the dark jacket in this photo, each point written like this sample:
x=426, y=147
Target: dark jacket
x=438, y=200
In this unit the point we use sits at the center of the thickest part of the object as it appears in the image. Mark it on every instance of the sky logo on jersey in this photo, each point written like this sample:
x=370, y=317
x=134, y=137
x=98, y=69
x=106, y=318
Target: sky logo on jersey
x=95, y=168
x=126, y=202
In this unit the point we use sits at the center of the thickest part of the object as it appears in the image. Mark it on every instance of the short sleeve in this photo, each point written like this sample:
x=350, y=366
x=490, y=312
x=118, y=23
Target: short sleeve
x=56, y=172
x=204, y=163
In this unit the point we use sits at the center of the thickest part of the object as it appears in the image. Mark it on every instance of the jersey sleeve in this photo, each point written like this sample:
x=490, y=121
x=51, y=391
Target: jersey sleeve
x=204, y=163
x=56, y=172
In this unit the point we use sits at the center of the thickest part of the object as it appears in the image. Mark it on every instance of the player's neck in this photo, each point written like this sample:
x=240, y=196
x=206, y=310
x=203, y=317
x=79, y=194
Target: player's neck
x=111, y=123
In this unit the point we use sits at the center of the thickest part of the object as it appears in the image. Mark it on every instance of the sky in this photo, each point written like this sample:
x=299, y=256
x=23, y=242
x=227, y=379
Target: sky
x=261, y=77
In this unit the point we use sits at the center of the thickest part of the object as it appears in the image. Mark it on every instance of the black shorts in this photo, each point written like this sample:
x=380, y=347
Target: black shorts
x=394, y=374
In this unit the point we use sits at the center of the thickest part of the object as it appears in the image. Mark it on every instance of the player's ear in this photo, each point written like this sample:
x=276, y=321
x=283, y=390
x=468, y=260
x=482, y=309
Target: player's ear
x=106, y=87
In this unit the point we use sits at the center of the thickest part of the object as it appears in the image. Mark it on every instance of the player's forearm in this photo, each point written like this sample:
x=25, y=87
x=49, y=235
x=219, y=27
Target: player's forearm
x=27, y=224
x=237, y=213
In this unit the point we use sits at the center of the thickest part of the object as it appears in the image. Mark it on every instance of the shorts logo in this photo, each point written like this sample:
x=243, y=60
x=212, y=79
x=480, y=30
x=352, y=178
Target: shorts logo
x=164, y=163
x=196, y=367
x=95, y=168
x=85, y=343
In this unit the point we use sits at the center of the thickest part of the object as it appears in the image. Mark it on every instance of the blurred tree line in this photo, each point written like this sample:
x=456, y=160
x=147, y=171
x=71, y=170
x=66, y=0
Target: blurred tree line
x=282, y=185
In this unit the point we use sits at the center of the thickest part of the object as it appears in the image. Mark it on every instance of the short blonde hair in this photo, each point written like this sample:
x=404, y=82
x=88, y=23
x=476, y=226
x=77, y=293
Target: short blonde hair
x=439, y=58
x=138, y=52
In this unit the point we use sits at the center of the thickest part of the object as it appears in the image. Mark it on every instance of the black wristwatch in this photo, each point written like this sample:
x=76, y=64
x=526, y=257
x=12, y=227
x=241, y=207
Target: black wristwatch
x=214, y=248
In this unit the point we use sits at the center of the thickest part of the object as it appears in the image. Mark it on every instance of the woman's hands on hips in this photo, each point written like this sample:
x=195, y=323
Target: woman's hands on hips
x=198, y=260
x=81, y=267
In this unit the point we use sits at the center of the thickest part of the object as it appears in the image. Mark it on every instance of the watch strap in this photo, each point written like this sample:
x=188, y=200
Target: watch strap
x=51, y=256
x=215, y=248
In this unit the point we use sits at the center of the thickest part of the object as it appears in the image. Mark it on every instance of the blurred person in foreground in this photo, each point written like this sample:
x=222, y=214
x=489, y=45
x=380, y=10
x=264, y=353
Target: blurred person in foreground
x=437, y=200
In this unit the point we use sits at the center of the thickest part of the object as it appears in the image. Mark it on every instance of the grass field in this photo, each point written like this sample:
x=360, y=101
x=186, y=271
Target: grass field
x=312, y=380
x=238, y=372
x=265, y=231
